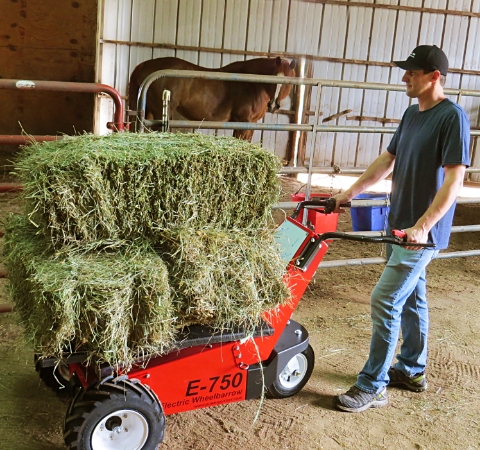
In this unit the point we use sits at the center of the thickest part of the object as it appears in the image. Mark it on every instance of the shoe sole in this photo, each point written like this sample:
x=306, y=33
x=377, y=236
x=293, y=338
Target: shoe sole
x=375, y=404
x=409, y=387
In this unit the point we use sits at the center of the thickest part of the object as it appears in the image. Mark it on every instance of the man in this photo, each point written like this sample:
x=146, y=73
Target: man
x=428, y=155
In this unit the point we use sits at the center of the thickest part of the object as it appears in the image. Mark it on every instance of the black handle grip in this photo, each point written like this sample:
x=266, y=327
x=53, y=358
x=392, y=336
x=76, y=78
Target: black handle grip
x=327, y=205
x=402, y=236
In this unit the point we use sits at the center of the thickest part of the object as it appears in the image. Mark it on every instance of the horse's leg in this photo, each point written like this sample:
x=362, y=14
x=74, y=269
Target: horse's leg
x=246, y=135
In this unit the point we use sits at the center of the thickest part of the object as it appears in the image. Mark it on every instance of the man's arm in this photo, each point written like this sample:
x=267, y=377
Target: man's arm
x=445, y=197
x=377, y=171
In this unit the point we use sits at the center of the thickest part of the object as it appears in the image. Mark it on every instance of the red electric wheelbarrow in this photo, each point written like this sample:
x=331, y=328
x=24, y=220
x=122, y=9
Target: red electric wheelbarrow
x=115, y=410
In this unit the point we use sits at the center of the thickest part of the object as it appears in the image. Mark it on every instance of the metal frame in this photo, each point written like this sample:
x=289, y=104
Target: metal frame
x=315, y=128
x=63, y=86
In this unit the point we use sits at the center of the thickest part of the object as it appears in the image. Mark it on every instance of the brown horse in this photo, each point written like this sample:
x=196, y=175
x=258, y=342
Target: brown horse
x=214, y=100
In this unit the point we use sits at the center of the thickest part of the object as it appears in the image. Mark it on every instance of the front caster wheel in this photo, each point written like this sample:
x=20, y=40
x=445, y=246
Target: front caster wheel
x=118, y=414
x=57, y=378
x=294, y=376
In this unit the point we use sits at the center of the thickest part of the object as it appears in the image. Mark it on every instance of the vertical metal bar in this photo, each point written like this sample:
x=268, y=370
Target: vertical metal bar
x=312, y=150
x=313, y=140
x=165, y=112
x=299, y=111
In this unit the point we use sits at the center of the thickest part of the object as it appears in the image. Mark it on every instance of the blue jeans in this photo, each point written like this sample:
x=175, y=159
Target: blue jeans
x=398, y=301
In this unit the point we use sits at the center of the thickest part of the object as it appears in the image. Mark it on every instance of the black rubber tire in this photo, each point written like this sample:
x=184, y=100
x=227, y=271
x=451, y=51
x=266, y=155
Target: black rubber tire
x=89, y=407
x=55, y=380
x=278, y=388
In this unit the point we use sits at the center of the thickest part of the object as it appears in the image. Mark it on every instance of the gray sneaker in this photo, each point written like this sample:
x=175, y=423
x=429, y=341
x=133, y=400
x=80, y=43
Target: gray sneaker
x=355, y=400
x=416, y=383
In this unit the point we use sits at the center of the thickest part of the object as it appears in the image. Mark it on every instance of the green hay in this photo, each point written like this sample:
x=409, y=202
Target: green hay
x=115, y=306
x=83, y=272
x=224, y=279
x=103, y=189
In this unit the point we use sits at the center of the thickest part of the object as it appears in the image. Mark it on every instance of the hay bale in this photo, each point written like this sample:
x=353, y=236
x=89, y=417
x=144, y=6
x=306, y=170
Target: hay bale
x=113, y=305
x=103, y=189
x=89, y=279
x=224, y=279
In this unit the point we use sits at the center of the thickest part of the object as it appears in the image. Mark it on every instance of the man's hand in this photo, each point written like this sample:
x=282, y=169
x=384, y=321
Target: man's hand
x=417, y=235
x=340, y=199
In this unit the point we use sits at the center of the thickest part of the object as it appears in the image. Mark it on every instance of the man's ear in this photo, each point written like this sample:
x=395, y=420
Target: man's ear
x=436, y=75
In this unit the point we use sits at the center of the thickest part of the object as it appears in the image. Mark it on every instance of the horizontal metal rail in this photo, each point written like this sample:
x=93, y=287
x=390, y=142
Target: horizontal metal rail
x=63, y=86
x=221, y=76
x=339, y=171
x=10, y=187
x=199, y=124
x=20, y=139
x=364, y=203
x=5, y=308
x=382, y=260
x=273, y=79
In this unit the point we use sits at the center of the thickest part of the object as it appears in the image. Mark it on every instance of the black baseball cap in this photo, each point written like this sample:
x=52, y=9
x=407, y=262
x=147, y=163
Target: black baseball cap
x=426, y=57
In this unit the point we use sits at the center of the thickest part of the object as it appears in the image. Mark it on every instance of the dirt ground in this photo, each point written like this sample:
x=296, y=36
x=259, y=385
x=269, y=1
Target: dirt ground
x=335, y=311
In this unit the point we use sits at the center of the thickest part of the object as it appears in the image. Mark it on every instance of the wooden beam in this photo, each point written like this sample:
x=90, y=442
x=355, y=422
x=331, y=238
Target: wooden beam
x=452, y=12
x=373, y=119
x=336, y=116
x=269, y=54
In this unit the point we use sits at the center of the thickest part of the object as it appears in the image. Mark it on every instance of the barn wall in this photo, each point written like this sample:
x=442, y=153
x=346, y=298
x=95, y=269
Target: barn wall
x=53, y=41
x=345, y=40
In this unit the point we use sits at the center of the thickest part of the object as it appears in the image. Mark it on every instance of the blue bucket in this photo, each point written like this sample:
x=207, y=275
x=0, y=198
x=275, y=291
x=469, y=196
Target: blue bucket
x=369, y=218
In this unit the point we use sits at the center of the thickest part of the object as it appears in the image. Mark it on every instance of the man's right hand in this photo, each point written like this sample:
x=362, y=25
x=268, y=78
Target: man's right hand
x=340, y=199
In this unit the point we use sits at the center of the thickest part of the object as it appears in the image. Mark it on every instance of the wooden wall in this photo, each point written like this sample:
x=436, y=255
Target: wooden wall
x=46, y=40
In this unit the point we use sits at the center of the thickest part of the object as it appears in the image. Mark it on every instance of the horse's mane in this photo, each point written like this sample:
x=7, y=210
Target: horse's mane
x=259, y=66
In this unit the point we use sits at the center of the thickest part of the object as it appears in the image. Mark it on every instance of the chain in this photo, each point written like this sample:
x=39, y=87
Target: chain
x=336, y=170
x=385, y=220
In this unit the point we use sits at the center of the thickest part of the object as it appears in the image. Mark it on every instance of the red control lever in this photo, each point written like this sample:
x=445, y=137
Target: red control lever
x=400, y=234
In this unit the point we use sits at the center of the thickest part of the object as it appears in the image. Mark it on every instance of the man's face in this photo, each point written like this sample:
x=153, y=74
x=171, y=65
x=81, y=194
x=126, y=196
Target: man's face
x=417, y=82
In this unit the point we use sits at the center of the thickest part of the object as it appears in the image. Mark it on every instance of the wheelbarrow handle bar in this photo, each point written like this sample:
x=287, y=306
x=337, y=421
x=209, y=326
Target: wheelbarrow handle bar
x=327, y=205
x=398, y=238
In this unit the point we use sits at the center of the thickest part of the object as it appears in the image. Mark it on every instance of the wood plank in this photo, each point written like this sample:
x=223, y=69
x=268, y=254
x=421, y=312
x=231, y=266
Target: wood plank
x=54, y=43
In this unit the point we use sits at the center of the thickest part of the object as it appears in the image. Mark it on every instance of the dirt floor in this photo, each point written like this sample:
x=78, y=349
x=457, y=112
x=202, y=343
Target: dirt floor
x=335, y=311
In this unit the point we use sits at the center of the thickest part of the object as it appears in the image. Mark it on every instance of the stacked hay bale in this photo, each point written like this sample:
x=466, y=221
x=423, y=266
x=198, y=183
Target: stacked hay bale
x=128, y=238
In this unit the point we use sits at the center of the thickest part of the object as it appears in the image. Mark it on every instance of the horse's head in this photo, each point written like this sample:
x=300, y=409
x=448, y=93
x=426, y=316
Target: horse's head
x=285, y=69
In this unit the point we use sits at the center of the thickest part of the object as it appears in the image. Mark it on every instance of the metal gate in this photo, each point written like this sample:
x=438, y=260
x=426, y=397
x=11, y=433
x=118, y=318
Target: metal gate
x=314, y=128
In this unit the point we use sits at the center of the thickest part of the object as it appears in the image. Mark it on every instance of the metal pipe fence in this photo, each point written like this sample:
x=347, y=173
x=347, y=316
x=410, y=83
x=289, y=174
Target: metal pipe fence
x=314, y=128
x=63, y=86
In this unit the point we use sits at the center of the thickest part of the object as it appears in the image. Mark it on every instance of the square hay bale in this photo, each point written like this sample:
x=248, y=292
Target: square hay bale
x=224, y=279
x=102, y=189
x=115, y=305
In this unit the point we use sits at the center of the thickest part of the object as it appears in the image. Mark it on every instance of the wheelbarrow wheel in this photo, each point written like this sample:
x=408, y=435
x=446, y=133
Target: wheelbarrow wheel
x=57, y=378
x=294, y=375
x=119, y=413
